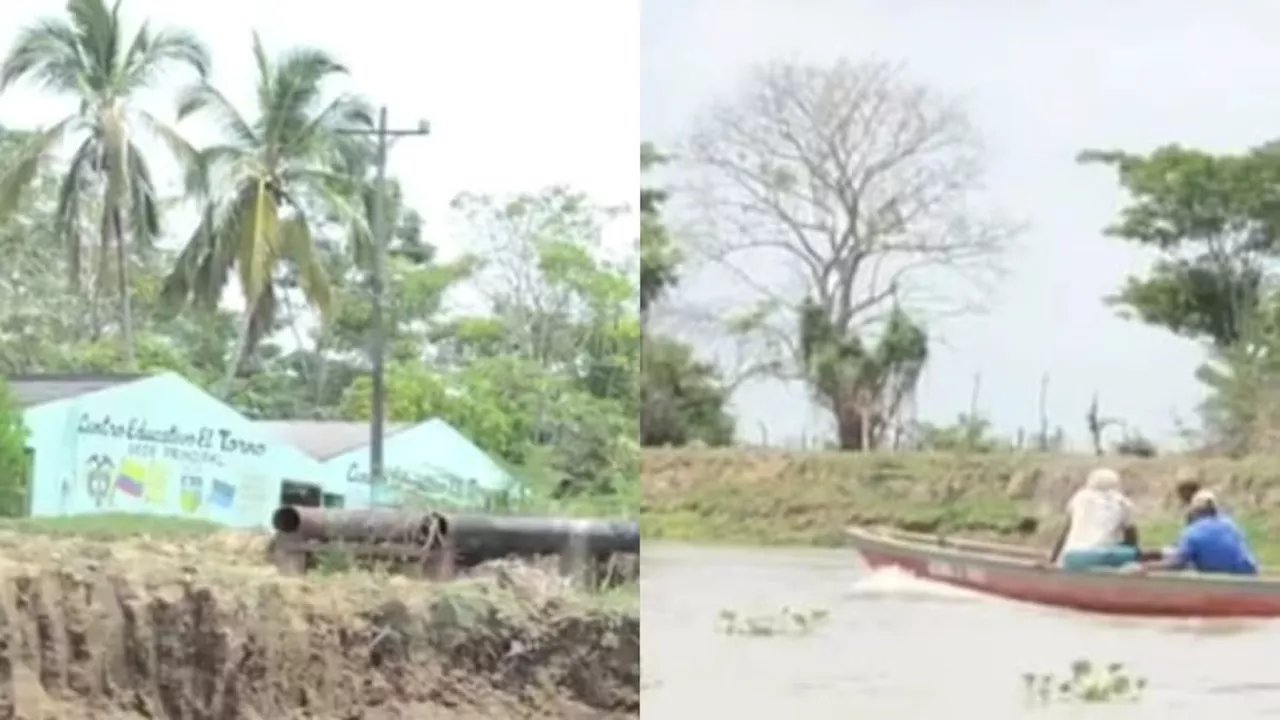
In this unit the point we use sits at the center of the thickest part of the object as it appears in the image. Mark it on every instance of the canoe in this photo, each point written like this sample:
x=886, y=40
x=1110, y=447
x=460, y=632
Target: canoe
x=1018, y=573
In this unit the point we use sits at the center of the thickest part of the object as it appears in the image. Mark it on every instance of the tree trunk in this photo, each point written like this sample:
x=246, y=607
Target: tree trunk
x=74, y=273
x=850, y=431
x=237, y=354
x=122, y=282
x=100, y=279
x=861, y=424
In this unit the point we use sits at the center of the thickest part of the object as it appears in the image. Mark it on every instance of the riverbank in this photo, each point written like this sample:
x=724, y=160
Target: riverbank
x=762, y=497
x=203, y=627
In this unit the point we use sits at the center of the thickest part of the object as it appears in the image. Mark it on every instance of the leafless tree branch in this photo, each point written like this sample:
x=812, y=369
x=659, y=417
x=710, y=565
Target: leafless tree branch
x=854, y=177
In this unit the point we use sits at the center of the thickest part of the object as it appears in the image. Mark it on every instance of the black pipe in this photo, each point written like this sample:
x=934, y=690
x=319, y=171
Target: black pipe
x=379, y=525
x=487, y=537
x=475, y=538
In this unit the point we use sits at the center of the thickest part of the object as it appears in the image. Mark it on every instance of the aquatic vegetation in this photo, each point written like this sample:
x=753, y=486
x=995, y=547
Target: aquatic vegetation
x=1087, y=683
x=786, y=621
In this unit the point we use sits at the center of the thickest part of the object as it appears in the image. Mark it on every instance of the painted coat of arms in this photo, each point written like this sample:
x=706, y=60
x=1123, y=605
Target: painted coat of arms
x=98, y=480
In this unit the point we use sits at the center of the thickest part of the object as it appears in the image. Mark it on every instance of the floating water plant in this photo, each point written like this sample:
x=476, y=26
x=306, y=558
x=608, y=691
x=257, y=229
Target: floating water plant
x=1087, y=683
x=786, y=621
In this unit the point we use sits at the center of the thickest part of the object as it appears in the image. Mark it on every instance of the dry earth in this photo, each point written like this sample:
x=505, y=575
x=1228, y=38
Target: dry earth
x=204, y=630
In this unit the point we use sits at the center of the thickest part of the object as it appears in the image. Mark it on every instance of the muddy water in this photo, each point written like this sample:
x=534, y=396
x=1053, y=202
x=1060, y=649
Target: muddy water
x=898, y=647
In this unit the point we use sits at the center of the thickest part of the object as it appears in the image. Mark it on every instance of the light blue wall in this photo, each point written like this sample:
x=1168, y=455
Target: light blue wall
x=159, y=446
x=430, y=462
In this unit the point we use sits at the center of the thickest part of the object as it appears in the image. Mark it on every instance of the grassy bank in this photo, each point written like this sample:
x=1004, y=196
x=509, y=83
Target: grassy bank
x=792, y=498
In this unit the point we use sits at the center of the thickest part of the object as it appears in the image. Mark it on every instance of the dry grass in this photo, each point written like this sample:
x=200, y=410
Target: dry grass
x=772, y=497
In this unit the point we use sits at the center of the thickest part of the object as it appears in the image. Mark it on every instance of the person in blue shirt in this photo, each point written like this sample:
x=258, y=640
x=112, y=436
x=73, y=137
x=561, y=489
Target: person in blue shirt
x=1211, y=542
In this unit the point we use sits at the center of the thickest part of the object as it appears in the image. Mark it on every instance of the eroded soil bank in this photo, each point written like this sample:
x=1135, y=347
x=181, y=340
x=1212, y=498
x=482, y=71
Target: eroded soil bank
x=205, y=630
x=772, y=497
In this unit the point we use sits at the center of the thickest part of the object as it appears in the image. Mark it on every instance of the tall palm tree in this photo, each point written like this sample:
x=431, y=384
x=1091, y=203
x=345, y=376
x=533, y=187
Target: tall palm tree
x=267, y=185
x=88, y=56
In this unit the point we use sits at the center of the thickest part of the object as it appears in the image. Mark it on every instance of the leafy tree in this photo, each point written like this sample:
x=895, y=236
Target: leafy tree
x=517, y=411
x=969, y=433
x=659, y=258
x=543, y=371
x=1215, y=222
x=261, y=183
x=1241, y=412
x=46, y=326
x=38, y=316
x=547, y=277
x=1135, y=445
x=89, y=57
x=13, y=456
x=864, y=386
x=684, y=399
x=563, y=309
x=1213, y=219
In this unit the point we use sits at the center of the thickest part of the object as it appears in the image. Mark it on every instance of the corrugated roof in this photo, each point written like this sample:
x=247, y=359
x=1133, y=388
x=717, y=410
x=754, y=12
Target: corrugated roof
x=323, y=439
x=33, y=390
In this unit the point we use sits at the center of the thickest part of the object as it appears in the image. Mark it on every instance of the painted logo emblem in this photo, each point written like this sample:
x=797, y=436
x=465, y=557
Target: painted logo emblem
x=192, y=493
x=98, y=479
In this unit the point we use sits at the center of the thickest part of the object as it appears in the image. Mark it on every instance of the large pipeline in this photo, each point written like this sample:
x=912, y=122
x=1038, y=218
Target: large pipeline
x=488, y=537
x=474, y=538
x=358, y=526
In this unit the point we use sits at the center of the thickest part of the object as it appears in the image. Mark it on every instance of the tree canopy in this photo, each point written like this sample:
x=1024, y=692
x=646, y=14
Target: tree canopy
x=685, y=399
x=530, y=345
x=840, y=195
x=1213, y=219
x=1213, y=224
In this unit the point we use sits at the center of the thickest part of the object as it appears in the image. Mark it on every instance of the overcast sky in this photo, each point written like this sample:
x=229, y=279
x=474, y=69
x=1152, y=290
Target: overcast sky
x=1042, y=81
x=519, y=95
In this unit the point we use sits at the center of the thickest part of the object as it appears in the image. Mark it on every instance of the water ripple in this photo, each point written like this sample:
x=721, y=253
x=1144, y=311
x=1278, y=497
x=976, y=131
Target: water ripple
x=901, y=647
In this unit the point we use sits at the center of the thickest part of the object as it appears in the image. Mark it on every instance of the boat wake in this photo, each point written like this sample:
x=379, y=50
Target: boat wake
x=899, y=584
x=1206, y=627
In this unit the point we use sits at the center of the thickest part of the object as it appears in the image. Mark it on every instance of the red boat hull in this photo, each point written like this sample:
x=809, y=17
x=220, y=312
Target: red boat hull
x=1013, y=573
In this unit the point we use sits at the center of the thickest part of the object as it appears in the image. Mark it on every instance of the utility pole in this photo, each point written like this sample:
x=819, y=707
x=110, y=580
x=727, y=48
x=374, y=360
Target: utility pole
x=381, y=236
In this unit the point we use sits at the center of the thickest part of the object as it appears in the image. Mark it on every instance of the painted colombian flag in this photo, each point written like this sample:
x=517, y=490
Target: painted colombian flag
x=129, y=486
x=132, y=478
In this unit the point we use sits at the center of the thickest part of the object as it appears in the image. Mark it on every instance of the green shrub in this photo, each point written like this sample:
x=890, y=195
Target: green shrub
x=14, y=460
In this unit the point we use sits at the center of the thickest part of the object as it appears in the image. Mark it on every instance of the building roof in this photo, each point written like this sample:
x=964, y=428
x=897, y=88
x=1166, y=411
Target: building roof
x=33, y=390
x=323, y=439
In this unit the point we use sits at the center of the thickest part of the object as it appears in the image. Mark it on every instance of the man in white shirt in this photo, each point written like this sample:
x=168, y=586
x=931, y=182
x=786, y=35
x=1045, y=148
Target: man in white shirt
x=1100, y=529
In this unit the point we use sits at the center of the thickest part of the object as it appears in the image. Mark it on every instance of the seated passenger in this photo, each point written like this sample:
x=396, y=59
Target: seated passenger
x=1210, y=543
x=1100, y=532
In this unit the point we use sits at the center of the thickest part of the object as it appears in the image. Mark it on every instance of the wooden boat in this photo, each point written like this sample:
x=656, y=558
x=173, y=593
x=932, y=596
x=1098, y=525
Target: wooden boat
x=1019, y=573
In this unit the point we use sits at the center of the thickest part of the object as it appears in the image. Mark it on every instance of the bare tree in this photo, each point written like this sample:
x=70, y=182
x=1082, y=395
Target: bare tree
x=528, y=245
x=858, y=181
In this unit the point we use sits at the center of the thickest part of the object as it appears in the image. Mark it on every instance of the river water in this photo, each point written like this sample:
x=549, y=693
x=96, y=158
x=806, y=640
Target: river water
x=900, y=648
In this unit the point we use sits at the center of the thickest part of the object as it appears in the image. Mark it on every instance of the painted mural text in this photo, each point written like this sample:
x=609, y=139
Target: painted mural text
x=424, y=484
x=196, y=443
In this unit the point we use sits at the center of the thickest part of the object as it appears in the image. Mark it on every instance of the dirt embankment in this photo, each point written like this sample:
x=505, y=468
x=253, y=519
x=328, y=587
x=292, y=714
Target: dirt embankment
x=162, y=630
x=774, y=497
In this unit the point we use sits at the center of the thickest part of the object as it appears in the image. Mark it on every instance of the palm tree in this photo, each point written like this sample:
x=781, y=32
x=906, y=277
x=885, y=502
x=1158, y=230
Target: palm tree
x=88, y=56
x=267, y=185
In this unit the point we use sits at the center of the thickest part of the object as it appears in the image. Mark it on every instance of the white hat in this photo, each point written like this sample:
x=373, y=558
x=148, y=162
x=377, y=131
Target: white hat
x=1103, y=479
x=1203, y=500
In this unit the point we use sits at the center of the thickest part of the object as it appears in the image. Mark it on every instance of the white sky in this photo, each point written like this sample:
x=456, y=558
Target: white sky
x=519, y=95
x=1042, y=81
